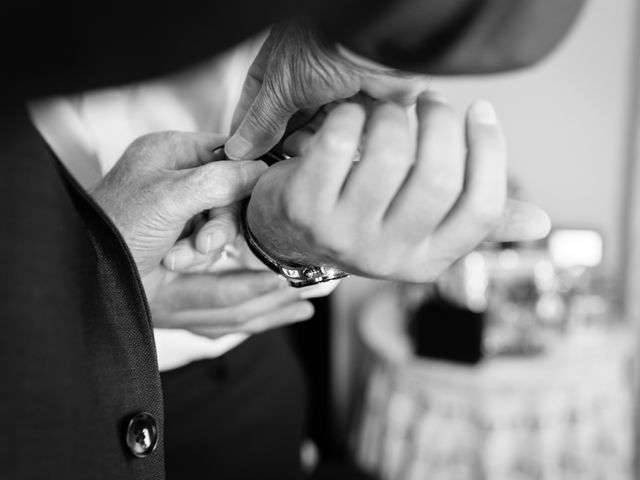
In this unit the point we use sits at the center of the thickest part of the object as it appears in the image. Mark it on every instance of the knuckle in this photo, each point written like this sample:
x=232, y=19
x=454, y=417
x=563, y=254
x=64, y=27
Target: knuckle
x=219, y=187
x=334, y=142
x=291, y=194
x=487, y=214
x=169, y=142
x=443, y=186
x=437, y=110
x=261, y=120
x=389, y=110
x=163, y=193
x=267, y=111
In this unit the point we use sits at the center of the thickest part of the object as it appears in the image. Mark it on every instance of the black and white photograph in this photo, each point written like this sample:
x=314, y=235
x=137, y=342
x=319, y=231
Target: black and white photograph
x=320, y=240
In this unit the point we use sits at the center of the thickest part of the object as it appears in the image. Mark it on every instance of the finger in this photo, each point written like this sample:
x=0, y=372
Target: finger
x=482, y=202
x=201, y=291
x=215, y=184
x=396, y=86
x=174, y=150
x=235, y=315
x=437, y=178
x=209, y=148
x=220, y=230
x=292, y=313
x=253, y=82
x=304, y=116
x=298, y=143
x=237, y=286
x=198, y=263
x=263, y=125
x=183, y=257
x=521, y=222
x=386, y=159
x=288, y=314
x=321, y=174
x=193, y=224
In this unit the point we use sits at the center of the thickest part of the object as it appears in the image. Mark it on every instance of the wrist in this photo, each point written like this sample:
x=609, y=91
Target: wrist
x=299, y=273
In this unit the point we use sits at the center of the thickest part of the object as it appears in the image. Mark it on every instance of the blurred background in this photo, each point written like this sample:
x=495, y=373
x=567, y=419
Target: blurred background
x=521, y=363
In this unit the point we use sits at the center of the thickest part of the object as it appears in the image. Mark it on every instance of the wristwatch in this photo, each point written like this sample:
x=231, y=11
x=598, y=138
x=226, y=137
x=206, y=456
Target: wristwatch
x=298, y=275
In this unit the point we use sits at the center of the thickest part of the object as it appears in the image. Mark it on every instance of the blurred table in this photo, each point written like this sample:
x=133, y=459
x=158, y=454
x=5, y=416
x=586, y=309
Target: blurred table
x=565, y=414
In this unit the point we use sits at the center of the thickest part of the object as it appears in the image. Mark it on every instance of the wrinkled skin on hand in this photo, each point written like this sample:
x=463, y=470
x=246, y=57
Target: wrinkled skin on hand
x=161, y=182
x=296, y=71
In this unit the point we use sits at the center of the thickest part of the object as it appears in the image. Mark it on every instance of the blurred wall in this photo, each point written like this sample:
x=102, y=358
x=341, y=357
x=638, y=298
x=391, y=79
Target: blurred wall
x=567, y=120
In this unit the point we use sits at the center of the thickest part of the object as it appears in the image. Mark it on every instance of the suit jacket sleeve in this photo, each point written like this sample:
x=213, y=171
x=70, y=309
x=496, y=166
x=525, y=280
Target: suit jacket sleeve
x=70, y=45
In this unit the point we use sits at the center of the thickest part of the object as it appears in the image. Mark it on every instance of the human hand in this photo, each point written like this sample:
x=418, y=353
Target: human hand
x=161, y=182
x=295, y=71
x=410, y=207
x=213, y=304
x=213, y=295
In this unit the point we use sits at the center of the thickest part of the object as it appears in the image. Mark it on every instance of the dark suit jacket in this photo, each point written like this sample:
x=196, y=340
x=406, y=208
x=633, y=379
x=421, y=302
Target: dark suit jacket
x=77, y=356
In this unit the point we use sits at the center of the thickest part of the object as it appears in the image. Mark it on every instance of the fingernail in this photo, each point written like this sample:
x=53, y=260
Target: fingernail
x=179, y=258
x=237, y=148
x=483, y=112
x=215, y=241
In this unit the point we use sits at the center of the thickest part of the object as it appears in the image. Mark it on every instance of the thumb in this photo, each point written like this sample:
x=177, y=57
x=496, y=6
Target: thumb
x=261, y=128
x=213, y=185
x=521, y=222
x=175, y=150
x=253, y=82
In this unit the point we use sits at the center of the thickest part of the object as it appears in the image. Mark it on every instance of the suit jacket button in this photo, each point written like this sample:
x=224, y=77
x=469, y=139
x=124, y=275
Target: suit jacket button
x=142, y=434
